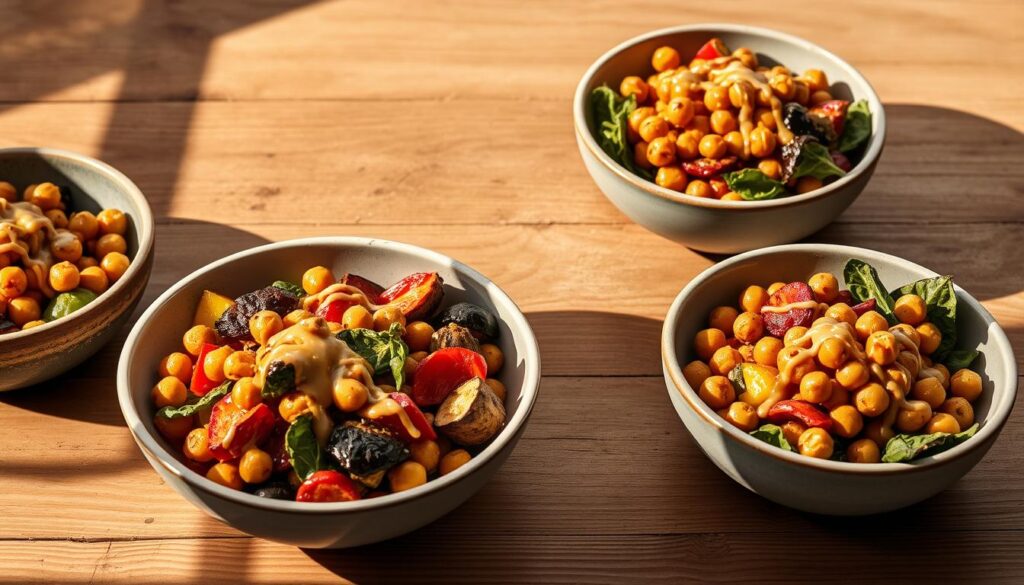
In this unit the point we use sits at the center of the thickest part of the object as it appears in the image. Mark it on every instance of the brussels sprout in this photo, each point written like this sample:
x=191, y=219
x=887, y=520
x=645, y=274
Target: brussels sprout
x=67, y=303
x=480, y=322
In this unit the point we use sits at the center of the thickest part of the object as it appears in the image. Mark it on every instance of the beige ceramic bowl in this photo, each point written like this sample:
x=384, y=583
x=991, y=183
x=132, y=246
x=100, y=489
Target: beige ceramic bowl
x=815, y=485
x=33, y=356
x=711, y=225
x=328, y=525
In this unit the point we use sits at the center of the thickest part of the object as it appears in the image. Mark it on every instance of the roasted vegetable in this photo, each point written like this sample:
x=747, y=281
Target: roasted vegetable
x=67, y=303
x=210, y=308
x=801, y=411
x=363, y=450
x=279, y=380
x=233, y=325
x=471, y=415
x=290, y=288
x=388, y=413
x=371, y=289
x=797, y=119
x=753, y=382
x=442, y=371
x=706, y=167
x=233, y=430
x=416, y=295
x=712, y=49
x=275, y=491
x=478, y=320
x=779, y=323
x=327, y=486
x=200, y=384
x=834, y=111
x=453, y=335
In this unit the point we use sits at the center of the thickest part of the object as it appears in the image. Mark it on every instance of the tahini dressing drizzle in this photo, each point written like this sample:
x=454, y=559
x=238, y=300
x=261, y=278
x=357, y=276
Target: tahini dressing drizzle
x=27, y=232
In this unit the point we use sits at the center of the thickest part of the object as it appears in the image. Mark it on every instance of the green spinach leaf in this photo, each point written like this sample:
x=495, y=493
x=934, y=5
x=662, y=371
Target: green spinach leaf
x=303, y=449
x=289, y=287
x=611, y=120
x=863, y=282
x=940, y=298
x=858, y=126
x=753, y=185
x=903, y=448
x=959, y=359
x=815, y=161
x=385, y=350
x=195, y=403
x=772, y=434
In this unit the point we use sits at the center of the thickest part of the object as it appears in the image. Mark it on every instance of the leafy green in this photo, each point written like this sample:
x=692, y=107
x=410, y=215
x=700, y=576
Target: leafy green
x=863, y=282
x=611, y=119
x=815, y=161
x=753, y=185
x=959, y=359
x=858, y=126
x=383, y=349
x=303, y=449
x=940, y=298
x=279, y=379
x=290, y=288
x=68, y=302
x=903, y=448
x=773, y=435
x=195, y=403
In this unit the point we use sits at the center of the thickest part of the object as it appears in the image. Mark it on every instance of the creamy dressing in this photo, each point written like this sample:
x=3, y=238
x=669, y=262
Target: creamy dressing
x=338, y=292
x=24, y=231
x=735, y=72
x=790, y=306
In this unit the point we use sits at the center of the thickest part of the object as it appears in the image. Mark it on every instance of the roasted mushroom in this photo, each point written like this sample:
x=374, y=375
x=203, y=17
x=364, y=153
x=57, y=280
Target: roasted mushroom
x=233, y=324
x=453, y=335
x=471, y=415
x=480, y=322
x=365, y=451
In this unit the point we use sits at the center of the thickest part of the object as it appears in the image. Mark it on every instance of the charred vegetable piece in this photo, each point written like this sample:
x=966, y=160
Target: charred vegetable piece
x=334, y=311
x=275, y=491
x=753, y=382
x=210, y=308
x=363, y=450
x=453, y=335
x=7, y=326
x=416, y=295
x=388, y=414
x=845, y=296
x=328, y=486
x=797, y=119
x=276, y=447
x=443, y=371
x=478, y=320
x=834, y=111
x=800, y=411
x=233, y=325
x=861, y=308
x=472, y=414
x=712, y=49
x=791, y=155
x=841, y=161
x=280, y=379
x=200, y=384
x=371, y=289
x=779, y=323
x=707, y=167
x=239, y=429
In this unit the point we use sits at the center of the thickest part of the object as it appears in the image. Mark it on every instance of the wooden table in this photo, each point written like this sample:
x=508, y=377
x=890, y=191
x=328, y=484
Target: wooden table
x=447, y=124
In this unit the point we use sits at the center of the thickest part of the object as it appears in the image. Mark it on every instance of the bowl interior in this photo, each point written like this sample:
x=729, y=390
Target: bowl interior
x=723, y=284
x=159, y=331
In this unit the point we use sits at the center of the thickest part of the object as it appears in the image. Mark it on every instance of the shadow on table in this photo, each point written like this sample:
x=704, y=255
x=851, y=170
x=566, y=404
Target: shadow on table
x=89, y=391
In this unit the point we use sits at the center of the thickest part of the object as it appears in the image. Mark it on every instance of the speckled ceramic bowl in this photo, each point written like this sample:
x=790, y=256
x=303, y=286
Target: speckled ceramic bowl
x=33, y=356
x=329, y=525
x=815, y=485
x=711, y=225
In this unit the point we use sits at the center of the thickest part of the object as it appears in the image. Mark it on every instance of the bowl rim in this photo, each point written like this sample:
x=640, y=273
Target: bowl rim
x=528, y=395
x=144, y=227
x=585, y=137
x=670, y=362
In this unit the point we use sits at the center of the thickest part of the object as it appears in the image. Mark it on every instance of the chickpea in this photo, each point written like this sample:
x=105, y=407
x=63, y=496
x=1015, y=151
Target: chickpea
x=169, y=391
x=111, y=243
x=294, y=405
x=723, y=122
x=417, y=335
x=797, y=334
x=965, y=384
x=740, y=94
x=494, y=357
x=734, y=143
x=13, y=282
x=112, y=221
x=847, y=422
x=634, y=86
x=8, y=192
x=871, y=399
x=350, y=395
x=843, y=313
x=799, y=371
x=753, y=298
x=176, y=364
x=661, y=151
x=665, y=58
x=173, y=429
x=747, y=351
x=748, y=327
x=808, y=184
x=255, y=466
x=881, y=348
x=766, y=351
x=852, y=375
x=863, y=451
x=638, y=116
x=929, y=390
x=707, y=342
x=58, y=218
x=833, y=353
x=816, y=79
x=679, y=111
x=64, y=276
x=722, y=318
x=943, y=374
x=90, y=262
x=815, y=387
x=762, y=142
x=930, y=337
x=671, y=177
x=197, y=446
x=909, y=420
x=783, y=86
x=960, y=409
x=498, y=388
x=93, y=278
x=742, y=416
x=802, y=93
x=878, y=433
x=653, y=127
x=640, y=155
x=716, y=98
x=196, y=337
x=23, y=310
x=84, y=223
x=383, y=318
x=825, y=287
x=942, y=423
x=66, y=248
x=240, y=364
x=245, y=394
x=699, y=188
x=695, y=373
x=265, y=324
x=700, y=124
x=226, y=474
x=724, y=360
x=213, y=363
x=317, y=279
x=840, y=396
x=746, y=56
x=909, y=332
x=911, y=309
x=815, y=443
x=115, y=264
x=717, y=392
x=791, y=431
x=712, y=146
x=688, y=145
x=454, y=460
x=819, y=97
x=765, y=118
x=46, y=196
x=869, y=323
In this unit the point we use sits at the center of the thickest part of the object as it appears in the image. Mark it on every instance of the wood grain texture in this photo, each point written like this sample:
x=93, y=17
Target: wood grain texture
x=448, y=124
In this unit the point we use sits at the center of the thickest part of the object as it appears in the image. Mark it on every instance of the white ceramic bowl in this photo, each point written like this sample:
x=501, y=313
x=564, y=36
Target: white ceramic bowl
x=814, y=485
x=327, y=525
x=709, y=224
x=38, y=354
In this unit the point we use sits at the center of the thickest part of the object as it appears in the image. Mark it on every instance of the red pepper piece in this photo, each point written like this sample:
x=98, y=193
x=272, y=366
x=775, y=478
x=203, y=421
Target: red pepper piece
x=417, y=295
x=250, y=427
x=835, y=111
x=845, y=296
x=708, y=167
x=779, y=323
x=333, y=312
x=718, y=186
x=801, y=411
x=371, y=289
x=200, y=384
x=861, y=308
x=442, y=371
x=328, y=486
x=416, y=416
x=712, y=49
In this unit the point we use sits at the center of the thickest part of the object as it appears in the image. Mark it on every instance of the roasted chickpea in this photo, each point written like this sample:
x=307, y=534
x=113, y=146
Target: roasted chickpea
x=383, y=318
x=64, y=276
x=640, y=155
x=671, y=177
x=843, y=313
x=765, y=118
x=863, y=451
x=454, y=460
x=839, y=397
x=816, y=443
x=878, y=433
x=695, y=373
x=23, y=310
x=245, y=394
x=881, y=348
x=724, y=360
x=742, y=416
x=665, y=58
x=747, y=351
x=112, y=221
x=115, y=264
x=173, y=429
x=66, y=247
x=799, y=370
x=852, y=375
x=265, y=324
x=317, y=279
x=775, y=287
x=929, y=390
x=930, y=337
x=871, y=399
x=766, y=351
x=825, y=287
x=213, y=363
x=85, y=223
x=169, y=391
x=634, y=86
x=197, y=446
x=13, y=282
x=783, y=86
x=89, y=262
x=679, y=112
x=739, y=94
x=653, y=127
x=46, y=196
x=712, y=146
x=791, y=431
x=722, y=318
x=753, y=298
x=943, y=374
x=255, y=466
x=8, y=192
x=846, y=421
x=717, y=98
x=723, y=122
x=110, y=243
x=746, y=56
x=494, y=357
x=797, y=336
x=198, y=335
x=748, y=327
x=762, y=142
x=819, y=97
x=911, y=309
x=815, y=79
x=497, y=387
x=178, y=365
x=700, y=124
x=417, y=335
x=294, y=405
x=909, y=420
x=869, y=323
x=808, y=184
x=638, y=116
x=960, y=409
x=226, y=474
x=239, y=364
x=688, y=145
x=833, y=353
x=942, y=423
x=802, y=93
x=661, y=151
x=699, y=188
x=94, y=279
x=965, y=384
x=717, y=392
x=734, y=143
x=816, y=387
x=58, y=218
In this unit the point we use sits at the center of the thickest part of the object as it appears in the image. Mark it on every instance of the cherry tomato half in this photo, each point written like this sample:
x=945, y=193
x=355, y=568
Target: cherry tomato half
x=327, y=486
